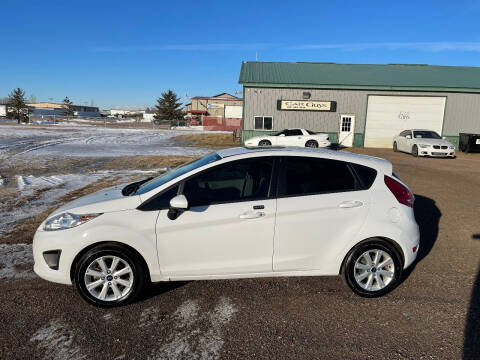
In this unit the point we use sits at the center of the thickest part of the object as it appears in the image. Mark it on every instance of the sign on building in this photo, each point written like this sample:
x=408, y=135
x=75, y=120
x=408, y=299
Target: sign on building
x=307, y=105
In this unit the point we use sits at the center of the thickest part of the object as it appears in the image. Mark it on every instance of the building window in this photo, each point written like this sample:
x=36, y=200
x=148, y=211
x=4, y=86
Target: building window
x=306, y=95
x=263, y=123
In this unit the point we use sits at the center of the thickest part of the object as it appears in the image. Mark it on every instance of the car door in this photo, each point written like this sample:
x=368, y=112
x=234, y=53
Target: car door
x=400, y=139
x=294, y=137
x=408, y=142
x=320, y=209
x=228, y=228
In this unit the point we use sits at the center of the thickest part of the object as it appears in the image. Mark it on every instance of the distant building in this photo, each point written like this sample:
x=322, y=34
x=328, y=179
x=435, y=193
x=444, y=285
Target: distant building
x=3, y=110
x=218, y=105
x=125, y=111
x=218, y=112
x=54, y=109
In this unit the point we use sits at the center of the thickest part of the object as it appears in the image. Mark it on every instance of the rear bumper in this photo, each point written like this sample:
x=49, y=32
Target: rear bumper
x=410, y=245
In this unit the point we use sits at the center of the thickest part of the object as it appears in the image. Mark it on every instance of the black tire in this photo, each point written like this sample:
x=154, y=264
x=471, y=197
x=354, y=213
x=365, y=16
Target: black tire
x=138, y=271
x=311, y=144
x=357, y=252
x=395, y=149
x=264, y=143
x=415, y=150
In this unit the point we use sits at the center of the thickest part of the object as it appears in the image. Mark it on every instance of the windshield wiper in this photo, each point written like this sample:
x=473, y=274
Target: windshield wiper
x=133, y=187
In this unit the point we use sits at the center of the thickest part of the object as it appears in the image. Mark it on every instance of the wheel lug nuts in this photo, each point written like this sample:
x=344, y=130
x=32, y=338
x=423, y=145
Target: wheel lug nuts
x=108, y=271
x=116, y=277
x=109, y=283
x=103, y=278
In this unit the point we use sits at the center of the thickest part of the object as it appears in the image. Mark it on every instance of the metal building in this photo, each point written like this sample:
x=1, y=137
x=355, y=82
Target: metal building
x=360, y=105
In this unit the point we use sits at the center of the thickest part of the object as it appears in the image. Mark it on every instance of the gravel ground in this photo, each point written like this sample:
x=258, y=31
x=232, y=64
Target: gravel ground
x=434, y=313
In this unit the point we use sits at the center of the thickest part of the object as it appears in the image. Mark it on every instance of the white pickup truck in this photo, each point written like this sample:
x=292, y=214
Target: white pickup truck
x=291, y=137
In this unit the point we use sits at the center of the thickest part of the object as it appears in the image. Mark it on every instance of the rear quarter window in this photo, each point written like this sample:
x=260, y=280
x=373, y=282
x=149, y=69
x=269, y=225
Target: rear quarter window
x=365, y=174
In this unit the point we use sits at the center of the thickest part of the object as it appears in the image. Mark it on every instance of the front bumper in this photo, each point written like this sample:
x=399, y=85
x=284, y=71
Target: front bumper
x=436, y=152
x=49, y=242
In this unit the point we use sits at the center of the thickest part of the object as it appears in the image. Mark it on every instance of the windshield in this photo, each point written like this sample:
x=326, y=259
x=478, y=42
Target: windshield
x=426, y=134
x=174, y=173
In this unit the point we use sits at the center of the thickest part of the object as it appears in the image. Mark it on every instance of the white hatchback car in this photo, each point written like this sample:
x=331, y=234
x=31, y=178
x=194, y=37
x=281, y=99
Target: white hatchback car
x=291, y=137
x=236, y=213
x=423, y=143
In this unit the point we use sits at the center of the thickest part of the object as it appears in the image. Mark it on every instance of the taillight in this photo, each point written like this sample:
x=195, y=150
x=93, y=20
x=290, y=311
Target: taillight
x=403, y=195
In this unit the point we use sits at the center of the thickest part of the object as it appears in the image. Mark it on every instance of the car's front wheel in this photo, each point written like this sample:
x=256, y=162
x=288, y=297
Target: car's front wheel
x=395, y=149
x=109, y=275
x=373, y=269
x=264, y=143
x=415, y=150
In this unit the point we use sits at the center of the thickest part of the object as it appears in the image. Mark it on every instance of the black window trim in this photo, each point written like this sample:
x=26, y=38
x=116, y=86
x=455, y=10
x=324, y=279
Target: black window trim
x=271, y=187
x=358, y=184
x=143, y=205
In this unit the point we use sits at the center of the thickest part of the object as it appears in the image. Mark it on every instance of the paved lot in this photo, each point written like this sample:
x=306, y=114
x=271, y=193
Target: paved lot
x=434, y=313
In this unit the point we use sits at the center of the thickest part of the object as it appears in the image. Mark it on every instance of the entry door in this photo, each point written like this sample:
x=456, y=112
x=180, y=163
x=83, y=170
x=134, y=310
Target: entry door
x=319, y=212
x=347, y=125
x=229, y=226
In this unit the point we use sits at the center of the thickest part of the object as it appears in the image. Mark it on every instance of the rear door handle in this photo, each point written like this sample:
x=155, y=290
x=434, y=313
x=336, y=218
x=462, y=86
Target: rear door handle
x=252, y=215
x=350, y=204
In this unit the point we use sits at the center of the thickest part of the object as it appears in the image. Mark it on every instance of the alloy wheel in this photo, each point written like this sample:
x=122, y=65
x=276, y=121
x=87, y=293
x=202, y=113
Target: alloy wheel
x=374, y=270
x=109, y=278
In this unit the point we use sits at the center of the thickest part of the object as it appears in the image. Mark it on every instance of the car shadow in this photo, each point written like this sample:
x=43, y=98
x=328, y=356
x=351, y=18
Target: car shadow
x=471, y=345
x=159, y=288
x=427, y=215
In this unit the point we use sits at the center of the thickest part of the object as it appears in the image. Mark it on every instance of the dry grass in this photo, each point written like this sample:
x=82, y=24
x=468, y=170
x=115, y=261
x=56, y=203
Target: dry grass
x=214, y=141
x=143, y=162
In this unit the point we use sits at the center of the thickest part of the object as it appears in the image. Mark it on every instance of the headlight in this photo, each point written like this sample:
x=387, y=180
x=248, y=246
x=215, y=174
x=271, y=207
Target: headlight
x=67, y=221
x=424, y=146
x=452, y=147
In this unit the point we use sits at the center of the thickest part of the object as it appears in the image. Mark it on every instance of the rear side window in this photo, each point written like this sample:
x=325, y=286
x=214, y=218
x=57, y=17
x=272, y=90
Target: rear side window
x=305, y=176
x=242, y=180
x=293, y=132
x=365, y=174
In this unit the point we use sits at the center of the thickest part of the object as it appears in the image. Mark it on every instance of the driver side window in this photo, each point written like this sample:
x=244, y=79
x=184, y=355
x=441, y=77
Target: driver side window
x=242, y=180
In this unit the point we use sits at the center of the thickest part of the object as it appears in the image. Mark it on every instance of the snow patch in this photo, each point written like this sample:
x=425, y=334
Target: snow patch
x=56, y=340
x=14, y=256
x=188, y=341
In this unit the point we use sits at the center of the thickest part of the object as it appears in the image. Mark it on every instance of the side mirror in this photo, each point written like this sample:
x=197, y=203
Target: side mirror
x=281, y=135
x=444, y=137
x=408, y=136
x=177, y=204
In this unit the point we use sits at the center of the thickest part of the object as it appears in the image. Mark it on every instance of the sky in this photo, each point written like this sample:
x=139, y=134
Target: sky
x=126, y=53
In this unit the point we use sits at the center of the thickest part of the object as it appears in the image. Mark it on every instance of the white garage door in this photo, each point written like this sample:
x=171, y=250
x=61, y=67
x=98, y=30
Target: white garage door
x=387, y=116
x=232, y=111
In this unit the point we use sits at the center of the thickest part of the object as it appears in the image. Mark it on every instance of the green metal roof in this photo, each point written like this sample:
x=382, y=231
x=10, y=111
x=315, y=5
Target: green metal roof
x=361, y=76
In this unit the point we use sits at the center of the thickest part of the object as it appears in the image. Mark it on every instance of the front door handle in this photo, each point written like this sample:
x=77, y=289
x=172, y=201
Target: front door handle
x=252, y=215
x=350, y=204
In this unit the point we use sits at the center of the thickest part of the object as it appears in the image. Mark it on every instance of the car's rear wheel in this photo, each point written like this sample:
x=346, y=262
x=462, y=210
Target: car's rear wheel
x=264, y=143
x=395, y=149
x=109, y=275
x=373, y=269
x=311, y=144
x=415, y=150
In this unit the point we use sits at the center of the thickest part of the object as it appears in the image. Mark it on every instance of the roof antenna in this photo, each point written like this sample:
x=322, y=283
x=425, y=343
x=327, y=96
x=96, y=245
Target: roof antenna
x=256, y=55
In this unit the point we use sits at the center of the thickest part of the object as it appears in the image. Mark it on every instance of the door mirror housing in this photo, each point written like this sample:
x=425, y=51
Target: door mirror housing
x=408, y=136
x=177, y=204
x=281, y=135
